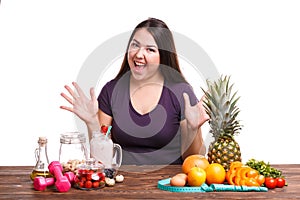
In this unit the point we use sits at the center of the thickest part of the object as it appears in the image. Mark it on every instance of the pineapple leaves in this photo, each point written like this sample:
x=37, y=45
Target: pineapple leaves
x=221, y=106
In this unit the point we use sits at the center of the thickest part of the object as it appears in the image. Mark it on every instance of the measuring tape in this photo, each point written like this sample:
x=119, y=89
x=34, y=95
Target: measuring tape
x=165, y=185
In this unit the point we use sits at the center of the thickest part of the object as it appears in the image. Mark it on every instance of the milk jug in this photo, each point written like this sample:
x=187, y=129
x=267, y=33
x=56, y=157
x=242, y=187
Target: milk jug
x=104, y=150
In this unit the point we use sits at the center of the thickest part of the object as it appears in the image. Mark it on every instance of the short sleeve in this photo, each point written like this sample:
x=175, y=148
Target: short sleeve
x=104, y=99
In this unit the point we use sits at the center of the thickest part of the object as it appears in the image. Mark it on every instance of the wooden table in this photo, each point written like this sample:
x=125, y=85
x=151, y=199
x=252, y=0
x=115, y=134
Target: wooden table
x=140, y=183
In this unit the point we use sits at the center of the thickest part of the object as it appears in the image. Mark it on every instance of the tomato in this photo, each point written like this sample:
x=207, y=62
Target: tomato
x=81, y=184
x=96, y=184
x=89, y=176
x=280, y=182
x=88, y=184
x=270, y=182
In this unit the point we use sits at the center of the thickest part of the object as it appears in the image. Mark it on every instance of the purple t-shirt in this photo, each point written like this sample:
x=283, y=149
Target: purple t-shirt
x=152, y=138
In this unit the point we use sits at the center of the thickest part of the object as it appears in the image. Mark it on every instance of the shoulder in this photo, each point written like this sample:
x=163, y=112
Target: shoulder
x=110, y=84
x=119, y=83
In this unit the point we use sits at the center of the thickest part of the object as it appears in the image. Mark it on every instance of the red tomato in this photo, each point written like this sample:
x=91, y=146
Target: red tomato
x=280, y=182
x=88, y=184
x=96, y=184
x=81, y=184
x=270, y=182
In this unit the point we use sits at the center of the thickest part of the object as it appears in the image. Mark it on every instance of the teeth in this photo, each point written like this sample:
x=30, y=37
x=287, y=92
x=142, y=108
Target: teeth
x=139, y=64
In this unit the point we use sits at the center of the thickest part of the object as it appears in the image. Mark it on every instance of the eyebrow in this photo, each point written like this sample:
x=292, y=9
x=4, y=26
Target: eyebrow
x=146, y=45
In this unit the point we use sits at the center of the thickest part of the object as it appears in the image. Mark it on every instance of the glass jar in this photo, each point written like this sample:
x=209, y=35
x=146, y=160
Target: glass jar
x=90, y=175
x=72, y=147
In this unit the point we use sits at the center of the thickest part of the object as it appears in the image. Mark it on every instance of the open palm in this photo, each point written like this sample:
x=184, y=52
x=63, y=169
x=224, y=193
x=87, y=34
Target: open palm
x=85, y=108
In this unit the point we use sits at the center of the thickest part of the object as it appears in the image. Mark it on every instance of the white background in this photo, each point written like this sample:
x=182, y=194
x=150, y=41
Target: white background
x=43, y=45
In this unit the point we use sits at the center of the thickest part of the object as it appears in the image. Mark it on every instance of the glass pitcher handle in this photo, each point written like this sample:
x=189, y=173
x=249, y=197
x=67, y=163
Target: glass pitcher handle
x=117, y=155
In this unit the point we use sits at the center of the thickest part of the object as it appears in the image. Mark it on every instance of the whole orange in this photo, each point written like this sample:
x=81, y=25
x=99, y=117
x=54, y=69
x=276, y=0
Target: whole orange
x=215, y=173
x=196, y=176
x=195, y=160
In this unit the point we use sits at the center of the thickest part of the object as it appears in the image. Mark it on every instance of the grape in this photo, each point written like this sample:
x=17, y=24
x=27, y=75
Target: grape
x=110, y=172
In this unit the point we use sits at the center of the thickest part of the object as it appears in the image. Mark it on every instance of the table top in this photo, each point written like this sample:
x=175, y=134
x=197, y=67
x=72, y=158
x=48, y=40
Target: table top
x=140, y=183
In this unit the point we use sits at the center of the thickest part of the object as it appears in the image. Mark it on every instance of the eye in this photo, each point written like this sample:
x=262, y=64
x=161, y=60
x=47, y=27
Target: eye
x=151, y=50
x=134, y=45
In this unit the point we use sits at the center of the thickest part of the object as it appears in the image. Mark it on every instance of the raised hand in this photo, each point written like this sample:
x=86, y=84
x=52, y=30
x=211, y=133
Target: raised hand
x=195, y=115
x=85, y=108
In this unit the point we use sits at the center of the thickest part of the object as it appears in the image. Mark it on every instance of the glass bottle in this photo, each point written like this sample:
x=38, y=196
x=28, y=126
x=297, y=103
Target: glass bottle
x=42, y=161
x=72, y=147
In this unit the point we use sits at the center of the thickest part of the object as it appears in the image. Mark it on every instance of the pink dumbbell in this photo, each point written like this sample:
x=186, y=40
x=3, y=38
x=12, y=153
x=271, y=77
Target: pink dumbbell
x=40, y=183
x=70, y=176
x=62, y=183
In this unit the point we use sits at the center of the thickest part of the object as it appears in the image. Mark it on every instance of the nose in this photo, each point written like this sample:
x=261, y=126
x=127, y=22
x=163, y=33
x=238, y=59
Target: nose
x=140, y=53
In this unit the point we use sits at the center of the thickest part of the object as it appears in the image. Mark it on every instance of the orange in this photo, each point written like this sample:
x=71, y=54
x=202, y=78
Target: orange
x=195, y=160
x=196, y=176
x=215, y=173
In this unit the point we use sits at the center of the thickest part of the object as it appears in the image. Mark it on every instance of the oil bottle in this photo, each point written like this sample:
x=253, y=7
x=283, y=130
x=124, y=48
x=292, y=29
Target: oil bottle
x=42, y=161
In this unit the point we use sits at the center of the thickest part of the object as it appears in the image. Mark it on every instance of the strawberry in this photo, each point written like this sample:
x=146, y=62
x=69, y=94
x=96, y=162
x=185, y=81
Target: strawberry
x=104, y=128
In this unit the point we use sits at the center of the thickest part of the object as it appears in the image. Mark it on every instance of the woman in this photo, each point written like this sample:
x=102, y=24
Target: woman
x=154, y=113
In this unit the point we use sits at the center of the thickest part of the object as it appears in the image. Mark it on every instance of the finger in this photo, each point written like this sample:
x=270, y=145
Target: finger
x=186, y=98
x=92, y=93
x=78, y=89
x=67, y=98
x=71, y=92
x=67, y=108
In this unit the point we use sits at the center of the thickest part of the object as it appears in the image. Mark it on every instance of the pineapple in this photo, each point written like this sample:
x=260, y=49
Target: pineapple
x=220, y=105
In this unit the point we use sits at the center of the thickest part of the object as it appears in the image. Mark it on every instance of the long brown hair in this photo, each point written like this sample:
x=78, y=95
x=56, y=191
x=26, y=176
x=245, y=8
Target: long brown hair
x=166, y=46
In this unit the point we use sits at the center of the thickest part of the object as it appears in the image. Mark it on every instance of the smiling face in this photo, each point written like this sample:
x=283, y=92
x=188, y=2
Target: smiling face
x=143, y=56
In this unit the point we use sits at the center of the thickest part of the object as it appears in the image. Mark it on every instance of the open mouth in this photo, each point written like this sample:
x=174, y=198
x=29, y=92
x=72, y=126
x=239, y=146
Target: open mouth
x=139, y=64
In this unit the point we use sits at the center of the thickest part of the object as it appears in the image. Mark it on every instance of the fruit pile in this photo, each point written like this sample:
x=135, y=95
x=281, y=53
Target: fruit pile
x=196, y=170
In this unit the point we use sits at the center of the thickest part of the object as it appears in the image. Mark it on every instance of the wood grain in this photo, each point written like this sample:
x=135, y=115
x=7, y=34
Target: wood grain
x=140, y=183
